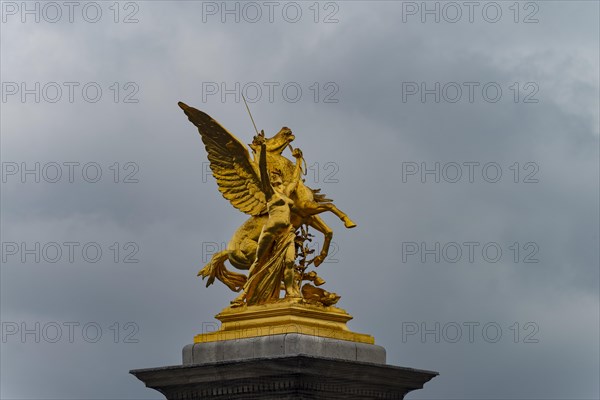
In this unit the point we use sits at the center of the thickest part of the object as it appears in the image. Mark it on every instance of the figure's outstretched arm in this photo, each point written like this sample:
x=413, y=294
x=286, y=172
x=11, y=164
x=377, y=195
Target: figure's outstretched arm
x=297, y=153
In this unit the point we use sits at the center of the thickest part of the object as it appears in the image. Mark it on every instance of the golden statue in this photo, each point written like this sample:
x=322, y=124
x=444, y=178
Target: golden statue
x=269, y=187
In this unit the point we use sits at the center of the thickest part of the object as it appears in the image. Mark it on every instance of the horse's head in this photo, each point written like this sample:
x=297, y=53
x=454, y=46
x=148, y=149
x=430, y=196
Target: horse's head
x=275, y=144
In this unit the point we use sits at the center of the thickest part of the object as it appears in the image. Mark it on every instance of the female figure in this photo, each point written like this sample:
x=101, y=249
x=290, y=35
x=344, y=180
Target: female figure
x=275, y=253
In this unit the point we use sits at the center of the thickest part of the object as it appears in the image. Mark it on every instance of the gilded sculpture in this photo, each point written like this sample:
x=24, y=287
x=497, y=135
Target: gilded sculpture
x=270, y=245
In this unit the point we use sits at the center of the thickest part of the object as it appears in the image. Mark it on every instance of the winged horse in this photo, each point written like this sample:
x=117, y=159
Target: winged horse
x=238, y=179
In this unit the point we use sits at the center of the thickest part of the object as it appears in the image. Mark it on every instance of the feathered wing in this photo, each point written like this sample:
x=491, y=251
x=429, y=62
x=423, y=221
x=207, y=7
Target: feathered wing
x=237, y=176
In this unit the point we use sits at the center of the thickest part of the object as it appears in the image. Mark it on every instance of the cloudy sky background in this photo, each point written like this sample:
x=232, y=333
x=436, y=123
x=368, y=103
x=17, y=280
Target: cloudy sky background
x=356, y=148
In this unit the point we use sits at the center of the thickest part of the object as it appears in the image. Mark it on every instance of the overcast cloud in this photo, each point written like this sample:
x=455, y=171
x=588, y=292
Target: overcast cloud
x=367, y=132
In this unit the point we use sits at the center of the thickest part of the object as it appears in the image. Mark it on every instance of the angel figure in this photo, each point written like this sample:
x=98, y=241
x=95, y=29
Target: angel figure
x=267, y=186
x=275, y=252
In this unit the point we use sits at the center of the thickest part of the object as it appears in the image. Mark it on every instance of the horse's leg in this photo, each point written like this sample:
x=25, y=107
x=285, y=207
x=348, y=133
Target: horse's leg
x=243, y=244
x=305, y=201
x=215, y=269
x=242, y=254
x=317, y=223
x=241, y=251
x=313, y=208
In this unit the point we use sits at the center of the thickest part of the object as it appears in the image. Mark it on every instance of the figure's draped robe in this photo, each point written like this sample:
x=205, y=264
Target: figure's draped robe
x=265, y=283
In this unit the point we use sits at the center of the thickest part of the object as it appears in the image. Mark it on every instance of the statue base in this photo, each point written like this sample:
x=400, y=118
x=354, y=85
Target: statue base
x=286, y=366
x=283, y=350
x=281, y=317
x=283, y=345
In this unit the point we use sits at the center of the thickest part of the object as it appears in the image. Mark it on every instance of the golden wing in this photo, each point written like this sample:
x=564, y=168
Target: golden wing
x=237, y=176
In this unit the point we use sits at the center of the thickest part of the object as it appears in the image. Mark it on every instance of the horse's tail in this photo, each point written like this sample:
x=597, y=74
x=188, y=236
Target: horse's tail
x=216, y=269
x=320, y=197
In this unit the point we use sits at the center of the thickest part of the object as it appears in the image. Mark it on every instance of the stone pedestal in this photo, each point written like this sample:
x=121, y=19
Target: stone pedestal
x=284, y=350
x=285, y=345
x=287, y=366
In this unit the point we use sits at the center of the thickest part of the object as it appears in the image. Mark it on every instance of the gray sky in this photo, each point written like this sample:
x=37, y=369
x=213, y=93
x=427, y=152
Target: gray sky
x=518, y=90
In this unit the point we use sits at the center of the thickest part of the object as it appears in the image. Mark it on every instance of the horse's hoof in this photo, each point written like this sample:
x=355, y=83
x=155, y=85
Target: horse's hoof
x=349, y=224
